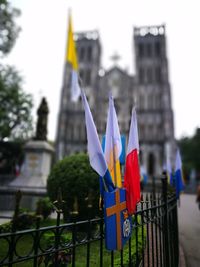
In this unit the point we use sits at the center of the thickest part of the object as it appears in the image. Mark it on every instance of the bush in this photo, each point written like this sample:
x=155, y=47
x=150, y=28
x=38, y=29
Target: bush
x=49, y=239
x=24, y=221
x=5, y=228
x=78, y=183
x=44, y=207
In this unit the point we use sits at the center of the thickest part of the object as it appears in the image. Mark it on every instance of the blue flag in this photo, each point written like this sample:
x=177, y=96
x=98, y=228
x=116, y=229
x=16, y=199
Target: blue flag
x=178, y=175
x=118, y=223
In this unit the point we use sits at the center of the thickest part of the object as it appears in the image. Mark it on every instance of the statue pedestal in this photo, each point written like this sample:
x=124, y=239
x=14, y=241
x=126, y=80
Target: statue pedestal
x=35, y=170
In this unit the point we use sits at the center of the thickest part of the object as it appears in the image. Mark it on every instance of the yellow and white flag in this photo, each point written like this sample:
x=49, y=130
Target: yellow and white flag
x=71, y=57
x=113, y=145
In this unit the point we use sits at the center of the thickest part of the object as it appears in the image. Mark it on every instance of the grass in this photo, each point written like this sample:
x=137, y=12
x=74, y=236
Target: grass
x=25, y=243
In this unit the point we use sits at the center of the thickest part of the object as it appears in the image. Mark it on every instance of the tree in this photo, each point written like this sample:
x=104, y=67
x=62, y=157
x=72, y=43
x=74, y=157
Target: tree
x=79, y=185
x=8, y=29
x=190, y=149
x=15, y=108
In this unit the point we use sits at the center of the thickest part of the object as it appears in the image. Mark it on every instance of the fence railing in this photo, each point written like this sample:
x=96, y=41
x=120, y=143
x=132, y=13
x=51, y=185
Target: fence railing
x=154, y=240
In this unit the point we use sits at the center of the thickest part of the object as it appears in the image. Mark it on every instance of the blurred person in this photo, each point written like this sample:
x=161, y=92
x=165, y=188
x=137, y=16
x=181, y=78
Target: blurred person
x=17, y=170
x=198, y=196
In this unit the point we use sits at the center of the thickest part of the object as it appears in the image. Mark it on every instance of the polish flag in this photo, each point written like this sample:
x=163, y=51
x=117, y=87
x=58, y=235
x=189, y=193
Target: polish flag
x=132, y=170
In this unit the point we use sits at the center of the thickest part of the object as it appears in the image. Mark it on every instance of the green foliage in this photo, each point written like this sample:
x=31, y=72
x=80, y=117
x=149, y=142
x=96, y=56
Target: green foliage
x=49, y=238
x=15, y=108
x=78, y=182
x=64, y=259
x=11, y=154
x=8, y=29
x=5, y=228
x=44, y=207
x=190, y=147
x=64, y=256
x=24, y=221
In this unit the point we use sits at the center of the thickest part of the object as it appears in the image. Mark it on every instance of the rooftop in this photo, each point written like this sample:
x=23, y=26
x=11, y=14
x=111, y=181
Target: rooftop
x=145, y=30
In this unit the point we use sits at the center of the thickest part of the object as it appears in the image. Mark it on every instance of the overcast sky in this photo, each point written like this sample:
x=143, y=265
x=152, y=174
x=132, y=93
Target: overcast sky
x=40, y=48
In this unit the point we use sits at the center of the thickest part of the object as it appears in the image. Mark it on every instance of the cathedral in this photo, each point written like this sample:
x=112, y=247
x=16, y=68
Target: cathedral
x=148, y=90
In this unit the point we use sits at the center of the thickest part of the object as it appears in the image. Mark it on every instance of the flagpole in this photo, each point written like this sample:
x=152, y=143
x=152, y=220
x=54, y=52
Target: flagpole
x=115, y=173
x=81, y=86
x=114, y=154
x=105, y=186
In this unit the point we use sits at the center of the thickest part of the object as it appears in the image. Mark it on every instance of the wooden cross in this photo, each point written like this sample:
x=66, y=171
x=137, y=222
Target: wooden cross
x=116, y=210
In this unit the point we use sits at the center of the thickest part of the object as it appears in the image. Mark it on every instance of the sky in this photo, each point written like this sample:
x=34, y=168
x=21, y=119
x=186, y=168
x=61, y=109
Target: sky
x=40, y=48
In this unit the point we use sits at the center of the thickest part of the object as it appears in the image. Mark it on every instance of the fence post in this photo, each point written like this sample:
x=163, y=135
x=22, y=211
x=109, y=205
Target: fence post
x=58, y=204
x=36, y=241
x=175, y=217
x=18, y=197
x=165, y=221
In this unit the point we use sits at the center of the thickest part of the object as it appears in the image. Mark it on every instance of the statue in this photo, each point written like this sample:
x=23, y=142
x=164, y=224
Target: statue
x=41, y=128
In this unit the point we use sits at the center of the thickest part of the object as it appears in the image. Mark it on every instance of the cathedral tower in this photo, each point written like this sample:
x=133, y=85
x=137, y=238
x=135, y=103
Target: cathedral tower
x=153, y=97
x=71, y=135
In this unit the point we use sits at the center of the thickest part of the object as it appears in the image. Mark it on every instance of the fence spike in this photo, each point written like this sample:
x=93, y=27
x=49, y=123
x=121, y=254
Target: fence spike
x=58, y=204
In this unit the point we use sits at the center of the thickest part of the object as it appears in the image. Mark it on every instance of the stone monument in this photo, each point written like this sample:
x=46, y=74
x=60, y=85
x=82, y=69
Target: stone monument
x=41, y=128
x=36, y=167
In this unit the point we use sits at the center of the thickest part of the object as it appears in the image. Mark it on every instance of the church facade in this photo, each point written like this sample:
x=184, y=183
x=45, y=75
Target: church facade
x=148, y=90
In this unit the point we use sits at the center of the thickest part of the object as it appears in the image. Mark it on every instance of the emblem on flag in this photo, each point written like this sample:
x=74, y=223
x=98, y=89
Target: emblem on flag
x=117, y=221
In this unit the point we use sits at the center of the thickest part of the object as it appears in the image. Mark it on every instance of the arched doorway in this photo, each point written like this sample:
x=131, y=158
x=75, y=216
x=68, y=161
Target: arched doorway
x=151, y=164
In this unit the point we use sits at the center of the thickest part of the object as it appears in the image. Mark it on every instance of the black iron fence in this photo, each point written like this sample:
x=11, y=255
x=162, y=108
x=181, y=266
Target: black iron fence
x=154, y=240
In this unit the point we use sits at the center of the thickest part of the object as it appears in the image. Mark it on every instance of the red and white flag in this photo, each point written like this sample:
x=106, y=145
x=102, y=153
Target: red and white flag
x=132, y=170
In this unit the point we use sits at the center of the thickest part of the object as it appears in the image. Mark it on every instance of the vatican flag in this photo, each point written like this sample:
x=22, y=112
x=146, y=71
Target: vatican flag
x=113, y=145
x=71, y=58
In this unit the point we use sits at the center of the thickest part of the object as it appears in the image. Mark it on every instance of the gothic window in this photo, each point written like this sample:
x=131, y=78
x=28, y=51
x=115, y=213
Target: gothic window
x=103, y=127
x=149, y=75
x=157, y=49
x=82, y=53
x=158, y=103
x=83, y=132
x=150, y=132
x=88, y=77
x=149, y=50
x=141, y=75
x=141, y=49
x=80, y=132
x=141, y=131
x=81, y=74
x=117, y=107
x=69, y=133
x=72, y=132
x=154, y=101
x=64, y=101
x=158, y=74
x=76, y=132
x=141, y=102
x=68, y=80
x=150, y=101
x=159, y=132
x=89, y=53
